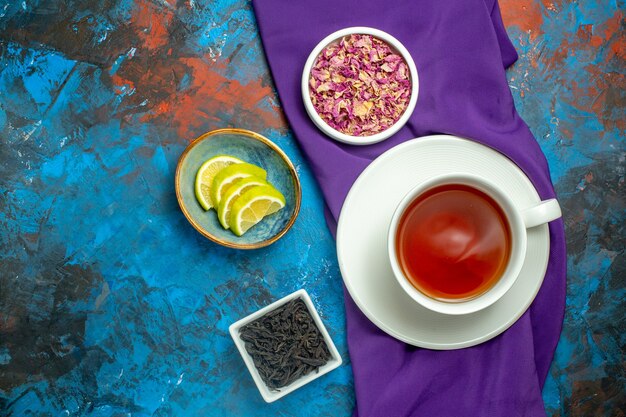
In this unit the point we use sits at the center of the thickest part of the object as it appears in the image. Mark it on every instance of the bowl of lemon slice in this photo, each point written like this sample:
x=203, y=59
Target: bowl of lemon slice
x=237, y=188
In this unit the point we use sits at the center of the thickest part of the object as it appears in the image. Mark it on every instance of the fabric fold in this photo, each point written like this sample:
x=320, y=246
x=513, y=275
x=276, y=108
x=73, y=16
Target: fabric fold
x=461, y=50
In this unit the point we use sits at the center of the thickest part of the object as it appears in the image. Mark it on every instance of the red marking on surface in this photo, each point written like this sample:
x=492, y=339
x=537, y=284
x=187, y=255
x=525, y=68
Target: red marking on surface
x=584, y=32
x=611, y=26
x=31, y=238
x=131, y=177
x=210, y=99
x=609, y=86
x=618, y=47
x=566, y=133
x=600, y=92
x=549, y=5
x=607, y=34
x=610, y=32
x=595, y=41
x=525, y=14
x=601, y=96
x=161, y=108
x=146, y=152
x=119, y=83
x=560, y=54
x=151, y=24
x=7, y=323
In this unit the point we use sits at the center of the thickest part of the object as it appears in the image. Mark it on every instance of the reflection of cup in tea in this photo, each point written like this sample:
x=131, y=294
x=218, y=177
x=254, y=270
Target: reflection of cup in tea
x=457, y=242
x=453, y=242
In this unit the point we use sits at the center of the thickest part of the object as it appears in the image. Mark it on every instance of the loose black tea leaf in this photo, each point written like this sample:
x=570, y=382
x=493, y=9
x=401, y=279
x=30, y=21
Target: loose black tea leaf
x=285, y=344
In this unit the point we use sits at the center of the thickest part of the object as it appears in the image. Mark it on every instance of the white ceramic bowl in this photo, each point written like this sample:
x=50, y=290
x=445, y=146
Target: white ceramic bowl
x=335, y=134
x=267, y=394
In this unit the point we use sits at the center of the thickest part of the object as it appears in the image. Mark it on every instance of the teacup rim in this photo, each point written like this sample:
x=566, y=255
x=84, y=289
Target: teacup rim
x=516, y=259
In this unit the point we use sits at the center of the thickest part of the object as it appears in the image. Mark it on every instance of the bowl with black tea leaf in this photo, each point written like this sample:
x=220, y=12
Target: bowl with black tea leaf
x=285, y=345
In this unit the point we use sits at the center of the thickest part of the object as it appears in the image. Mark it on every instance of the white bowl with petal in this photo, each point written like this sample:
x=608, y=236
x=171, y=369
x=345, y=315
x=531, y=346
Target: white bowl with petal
x=395, y=45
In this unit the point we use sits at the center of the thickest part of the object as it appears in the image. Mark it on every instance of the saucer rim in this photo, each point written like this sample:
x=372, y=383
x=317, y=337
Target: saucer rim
x=483, y=337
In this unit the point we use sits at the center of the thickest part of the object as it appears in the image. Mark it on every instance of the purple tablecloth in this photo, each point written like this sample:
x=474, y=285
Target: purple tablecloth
x=461, y=51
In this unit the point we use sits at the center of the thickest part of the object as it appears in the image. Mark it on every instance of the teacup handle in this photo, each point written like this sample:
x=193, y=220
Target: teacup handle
x=544, y=212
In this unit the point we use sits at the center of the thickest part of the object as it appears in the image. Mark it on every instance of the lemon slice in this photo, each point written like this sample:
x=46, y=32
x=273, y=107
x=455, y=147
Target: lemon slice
x=238, y=187
x=230, y=174
x=205, y=175
x=252, y=206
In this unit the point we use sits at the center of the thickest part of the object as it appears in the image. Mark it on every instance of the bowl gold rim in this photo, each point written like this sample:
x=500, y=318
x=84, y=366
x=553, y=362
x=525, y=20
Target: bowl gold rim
x=271, y=145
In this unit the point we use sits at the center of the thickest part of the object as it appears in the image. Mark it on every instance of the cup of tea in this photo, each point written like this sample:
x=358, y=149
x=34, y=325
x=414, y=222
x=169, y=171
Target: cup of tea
x=457, y=242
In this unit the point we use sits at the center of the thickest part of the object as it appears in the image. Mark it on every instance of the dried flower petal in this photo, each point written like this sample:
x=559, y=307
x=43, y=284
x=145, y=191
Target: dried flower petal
x=359, y=85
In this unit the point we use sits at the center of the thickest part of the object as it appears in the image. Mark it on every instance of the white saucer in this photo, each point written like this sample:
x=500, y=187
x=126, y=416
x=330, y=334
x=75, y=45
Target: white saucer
x=362, y=242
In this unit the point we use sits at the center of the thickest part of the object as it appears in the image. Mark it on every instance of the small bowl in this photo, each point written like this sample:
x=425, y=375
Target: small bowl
x=250, y=147
x=267, y=394
x=335, y=134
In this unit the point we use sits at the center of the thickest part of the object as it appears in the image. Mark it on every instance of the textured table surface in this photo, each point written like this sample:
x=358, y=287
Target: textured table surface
x=112, y=305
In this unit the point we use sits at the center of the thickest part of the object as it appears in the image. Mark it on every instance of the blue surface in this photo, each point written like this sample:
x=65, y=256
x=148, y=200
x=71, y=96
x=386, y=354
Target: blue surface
x=112, y=304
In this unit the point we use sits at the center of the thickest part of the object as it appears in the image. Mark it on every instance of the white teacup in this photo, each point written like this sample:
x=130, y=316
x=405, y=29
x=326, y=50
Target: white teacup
x=519, y=219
